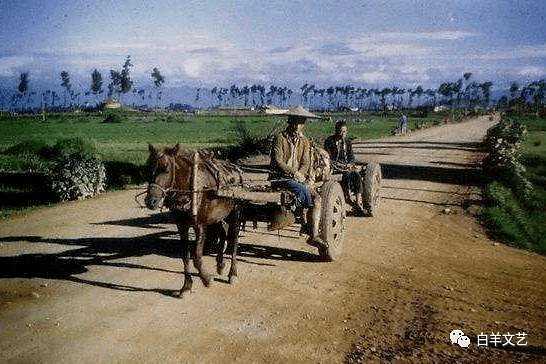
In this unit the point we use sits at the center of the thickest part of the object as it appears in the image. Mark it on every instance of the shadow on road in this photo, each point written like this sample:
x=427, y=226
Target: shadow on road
x=466, y=174
x=150, y=222
x=419, y=144
x=68, y=264
x=460, y=176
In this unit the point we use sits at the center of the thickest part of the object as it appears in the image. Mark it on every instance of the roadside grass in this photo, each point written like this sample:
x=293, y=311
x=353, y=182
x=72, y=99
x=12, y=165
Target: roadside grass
x=534, y=159
x=509, y=214
x=120, y=139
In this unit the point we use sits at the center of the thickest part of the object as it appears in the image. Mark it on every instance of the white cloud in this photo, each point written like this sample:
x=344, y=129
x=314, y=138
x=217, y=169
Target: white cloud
x=374, y=77
x=532, y=72
x=515, y=53
x=425, y=36
x=192, y=67
x=14, y=64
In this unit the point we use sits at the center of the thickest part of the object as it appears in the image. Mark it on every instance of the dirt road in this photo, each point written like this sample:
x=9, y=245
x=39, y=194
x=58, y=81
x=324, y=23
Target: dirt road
x=91, y=281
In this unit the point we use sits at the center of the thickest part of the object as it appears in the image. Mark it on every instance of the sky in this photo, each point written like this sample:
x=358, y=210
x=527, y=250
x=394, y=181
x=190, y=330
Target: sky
x=219, y=43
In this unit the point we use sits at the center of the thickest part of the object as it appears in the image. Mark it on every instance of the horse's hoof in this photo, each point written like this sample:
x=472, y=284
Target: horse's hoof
x=185, y=288
x=323, y=254
x=220, y=269
x=206, y=281
x=233, y=279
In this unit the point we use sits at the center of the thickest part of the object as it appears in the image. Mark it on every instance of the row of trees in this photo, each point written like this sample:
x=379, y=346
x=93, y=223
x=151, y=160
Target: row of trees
x=120, y=84
x=463, y=93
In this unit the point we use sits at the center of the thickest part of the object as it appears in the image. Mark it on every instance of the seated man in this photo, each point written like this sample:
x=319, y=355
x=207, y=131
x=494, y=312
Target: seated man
x=291, y=166
x=343, y=161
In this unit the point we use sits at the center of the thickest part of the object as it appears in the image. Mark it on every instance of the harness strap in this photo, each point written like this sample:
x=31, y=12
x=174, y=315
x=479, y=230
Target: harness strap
x=223, y=173
x=194, y=184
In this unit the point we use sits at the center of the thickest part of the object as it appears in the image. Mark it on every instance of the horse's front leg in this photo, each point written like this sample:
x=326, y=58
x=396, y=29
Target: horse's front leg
x=233, y=238
x=184, y=238
x=200, y=231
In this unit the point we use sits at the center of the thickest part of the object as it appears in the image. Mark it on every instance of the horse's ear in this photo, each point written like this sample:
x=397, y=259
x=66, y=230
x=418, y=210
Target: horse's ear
x=176, y=148
x=151, y=148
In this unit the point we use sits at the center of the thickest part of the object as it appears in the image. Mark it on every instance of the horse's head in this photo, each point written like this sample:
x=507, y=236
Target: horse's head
x=162, y=175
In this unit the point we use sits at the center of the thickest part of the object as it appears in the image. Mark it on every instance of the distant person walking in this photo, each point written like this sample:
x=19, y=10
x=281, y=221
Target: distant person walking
x=403, y=124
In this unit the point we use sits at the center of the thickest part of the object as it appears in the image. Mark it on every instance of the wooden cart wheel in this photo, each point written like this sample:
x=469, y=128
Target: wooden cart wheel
x=372, y=185
x=332, y=220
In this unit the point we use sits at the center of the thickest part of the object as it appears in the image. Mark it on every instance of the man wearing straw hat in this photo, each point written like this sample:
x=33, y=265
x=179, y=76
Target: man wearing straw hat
x=291, y=165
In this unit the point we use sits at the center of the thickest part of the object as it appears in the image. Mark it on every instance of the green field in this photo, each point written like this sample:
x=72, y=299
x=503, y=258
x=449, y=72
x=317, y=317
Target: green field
x=126, y=138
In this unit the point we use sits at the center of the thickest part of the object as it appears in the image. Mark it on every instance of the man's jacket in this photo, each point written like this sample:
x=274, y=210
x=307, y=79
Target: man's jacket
x=340, y=150
x=289, y=156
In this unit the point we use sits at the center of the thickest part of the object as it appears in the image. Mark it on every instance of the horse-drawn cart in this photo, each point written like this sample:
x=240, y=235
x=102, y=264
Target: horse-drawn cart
x=203, y=191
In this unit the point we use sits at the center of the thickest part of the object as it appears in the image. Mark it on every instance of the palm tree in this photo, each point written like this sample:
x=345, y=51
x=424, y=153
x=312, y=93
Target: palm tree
x=307, y=90
x=285, y=93
x=222, y=96
x=537, y=90
x=121, y=81
x=412, y=93
x=245, y=91
x=96, y=83
x=431, y=97
x=486, y=91
x=383, y=98
x=446, y=89
x=514, y=88
x=253, y=91
x=213, y=92
x=330, y=92
x=159, y=80
x=65, y=82
x=23, y=87
x=234, y=93
x=397, y=100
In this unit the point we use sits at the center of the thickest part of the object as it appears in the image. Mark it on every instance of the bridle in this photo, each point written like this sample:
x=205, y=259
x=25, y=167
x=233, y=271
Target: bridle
x=172, y=168
x=164, y=191
x=157, y=187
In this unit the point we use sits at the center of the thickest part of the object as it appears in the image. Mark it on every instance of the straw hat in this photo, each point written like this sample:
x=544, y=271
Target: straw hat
x=298, y=115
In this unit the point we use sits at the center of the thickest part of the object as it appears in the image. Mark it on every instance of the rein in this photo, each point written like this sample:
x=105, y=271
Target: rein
x=212, y=169
x=218, y=171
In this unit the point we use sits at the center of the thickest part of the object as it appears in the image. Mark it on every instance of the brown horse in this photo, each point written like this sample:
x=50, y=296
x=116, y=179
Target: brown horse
x=186, y=182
